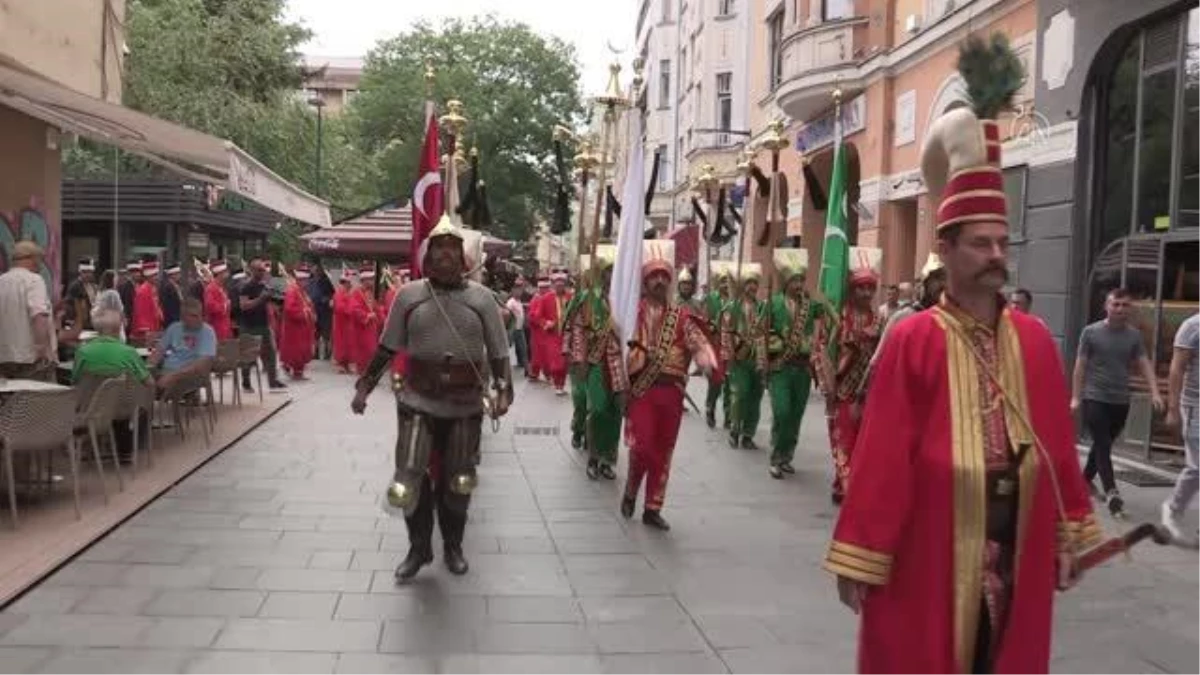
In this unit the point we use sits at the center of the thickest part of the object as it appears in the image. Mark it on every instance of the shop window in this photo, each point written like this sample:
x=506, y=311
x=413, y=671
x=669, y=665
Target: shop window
x=1188, y=192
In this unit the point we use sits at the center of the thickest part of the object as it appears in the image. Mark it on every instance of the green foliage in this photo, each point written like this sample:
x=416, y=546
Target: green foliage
x=993, y=74
x=230, y=68
x=515, y=86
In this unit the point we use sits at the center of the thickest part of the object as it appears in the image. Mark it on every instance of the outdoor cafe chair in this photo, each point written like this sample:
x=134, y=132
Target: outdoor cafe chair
x=249, y=351
x=94, y=416
x=226, y=363
x=38, y=422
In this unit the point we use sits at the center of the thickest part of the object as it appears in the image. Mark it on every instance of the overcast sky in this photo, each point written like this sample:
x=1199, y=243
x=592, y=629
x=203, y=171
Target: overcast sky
x=352, y=27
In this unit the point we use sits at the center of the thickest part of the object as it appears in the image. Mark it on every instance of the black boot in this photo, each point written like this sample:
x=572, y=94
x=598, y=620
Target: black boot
x=593, y=468
x=577, y=441
x=710, y=418
x=748, y=443
x=654, y=519
x=607, y=472
x=733, y=440
x=453, y=523
x=420, y=535
x=627, y=506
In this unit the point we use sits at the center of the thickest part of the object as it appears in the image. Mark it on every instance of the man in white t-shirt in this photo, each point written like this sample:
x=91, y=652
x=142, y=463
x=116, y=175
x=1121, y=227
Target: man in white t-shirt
x=28, y=345
x=516, y=323
x=1183, y=394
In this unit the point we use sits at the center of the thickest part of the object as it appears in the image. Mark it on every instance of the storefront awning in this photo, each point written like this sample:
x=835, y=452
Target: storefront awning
x=180, y=149
x=385, y=234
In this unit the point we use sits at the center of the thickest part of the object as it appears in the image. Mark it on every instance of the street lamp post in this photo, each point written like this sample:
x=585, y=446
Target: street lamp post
x=319, y=103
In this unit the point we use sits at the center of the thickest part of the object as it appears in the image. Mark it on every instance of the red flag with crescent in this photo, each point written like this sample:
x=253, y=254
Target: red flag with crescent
x=427, y=198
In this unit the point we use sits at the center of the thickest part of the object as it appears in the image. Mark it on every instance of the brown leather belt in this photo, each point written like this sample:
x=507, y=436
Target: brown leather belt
x=452, y=380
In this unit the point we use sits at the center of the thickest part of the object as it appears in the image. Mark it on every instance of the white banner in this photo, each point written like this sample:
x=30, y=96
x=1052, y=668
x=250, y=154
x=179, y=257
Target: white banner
x=249, y=178
x=626, y=291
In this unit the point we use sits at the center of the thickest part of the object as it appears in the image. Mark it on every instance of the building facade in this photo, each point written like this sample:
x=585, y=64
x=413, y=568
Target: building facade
x=893, y=62
x=1113, y=186
x=332, y=80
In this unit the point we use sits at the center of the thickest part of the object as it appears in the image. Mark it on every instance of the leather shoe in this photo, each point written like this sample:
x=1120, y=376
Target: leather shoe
x=455, y=562
x=593, y=469
x=606, y=470
x=710, y=418
x=627, y=506
x=576, y=441
x=776, y=471
x=748, y=443
x=412, y=563
x=654, y=519
x=787, y=467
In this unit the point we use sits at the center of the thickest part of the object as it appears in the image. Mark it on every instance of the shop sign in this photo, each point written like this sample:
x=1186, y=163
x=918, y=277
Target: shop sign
x=323, y=244
x=821, y=131
x=197, y=240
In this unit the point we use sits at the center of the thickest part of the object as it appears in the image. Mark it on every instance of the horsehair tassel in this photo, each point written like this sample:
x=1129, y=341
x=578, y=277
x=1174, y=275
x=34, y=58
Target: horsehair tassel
x=764, y=184
x=653, y=182
x=698, y=211
x=719, y=226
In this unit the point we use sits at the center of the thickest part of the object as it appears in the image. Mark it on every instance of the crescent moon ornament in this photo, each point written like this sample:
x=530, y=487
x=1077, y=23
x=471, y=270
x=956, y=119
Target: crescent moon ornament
x=614, y=50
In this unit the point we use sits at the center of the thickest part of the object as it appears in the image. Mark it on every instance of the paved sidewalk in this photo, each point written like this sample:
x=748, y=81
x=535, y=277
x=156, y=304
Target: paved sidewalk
x=276, y=556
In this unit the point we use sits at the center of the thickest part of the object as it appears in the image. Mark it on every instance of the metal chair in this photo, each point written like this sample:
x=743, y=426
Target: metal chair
x=130, y=406
x=38, y=422
x=176, y=396
x=249, y=352
x=226, y=363
x=94, y=416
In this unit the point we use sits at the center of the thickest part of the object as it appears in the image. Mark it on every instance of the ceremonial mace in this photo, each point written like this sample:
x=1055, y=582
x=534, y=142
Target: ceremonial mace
x=775, y=142
x=613, y=100
x=454, y=124
x=704, y=185
x=746, y=169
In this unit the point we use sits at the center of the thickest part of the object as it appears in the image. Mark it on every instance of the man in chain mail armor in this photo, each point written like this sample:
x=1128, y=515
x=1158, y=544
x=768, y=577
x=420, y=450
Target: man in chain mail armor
x=452, y=331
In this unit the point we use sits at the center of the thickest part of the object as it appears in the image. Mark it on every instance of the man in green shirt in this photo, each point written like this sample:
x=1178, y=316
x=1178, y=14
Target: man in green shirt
x=743, y=348
x=714, y=305
x=105, y=355
x=792, y=316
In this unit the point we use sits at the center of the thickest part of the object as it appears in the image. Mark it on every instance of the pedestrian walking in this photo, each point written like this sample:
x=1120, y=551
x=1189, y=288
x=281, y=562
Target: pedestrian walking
x=1108, y=350
x=1182, y=402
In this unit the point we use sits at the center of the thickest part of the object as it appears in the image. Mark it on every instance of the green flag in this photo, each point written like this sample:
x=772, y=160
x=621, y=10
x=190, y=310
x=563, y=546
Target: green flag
x=835, y=252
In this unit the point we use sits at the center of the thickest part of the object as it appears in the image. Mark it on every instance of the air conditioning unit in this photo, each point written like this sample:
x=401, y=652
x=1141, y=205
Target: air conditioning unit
x=912, y=25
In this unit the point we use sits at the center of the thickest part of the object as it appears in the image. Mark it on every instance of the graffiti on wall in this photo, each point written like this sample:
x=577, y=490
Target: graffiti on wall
x=31, y=223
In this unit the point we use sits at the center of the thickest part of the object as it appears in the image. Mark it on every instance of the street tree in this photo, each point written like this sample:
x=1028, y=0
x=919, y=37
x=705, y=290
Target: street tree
x=231, y=68
x=515, y=85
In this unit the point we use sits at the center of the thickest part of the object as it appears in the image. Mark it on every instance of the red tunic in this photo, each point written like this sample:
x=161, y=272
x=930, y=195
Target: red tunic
x=298, y=329
x=536, y=365
x=147, y=312
x=216, y=310
x=548, y=317
x=343, y=324
x=913, y=523
x=364, y=328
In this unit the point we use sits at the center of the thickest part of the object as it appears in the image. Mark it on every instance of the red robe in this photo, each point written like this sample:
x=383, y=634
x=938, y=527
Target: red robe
x=147, y=312
x=913, y=522
x=216, y=310
x=548, y=318
x=364, y=328
x=299, y=329
x=536, y=366
x=343, y=324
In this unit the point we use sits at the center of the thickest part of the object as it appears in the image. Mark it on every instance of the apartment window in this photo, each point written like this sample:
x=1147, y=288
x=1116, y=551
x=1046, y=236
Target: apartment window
x=832, y=10
x=666, y=10
x=775, y=48
x=699, y=109
x=663, y=180
x=724, y=106
x=726, y=7
x=664, y=83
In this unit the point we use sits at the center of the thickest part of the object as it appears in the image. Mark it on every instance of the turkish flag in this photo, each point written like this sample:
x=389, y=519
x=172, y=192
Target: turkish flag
x=427, y=197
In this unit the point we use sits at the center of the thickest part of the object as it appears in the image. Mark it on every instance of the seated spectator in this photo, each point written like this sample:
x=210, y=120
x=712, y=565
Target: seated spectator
x=105, y=355
x=187, y=347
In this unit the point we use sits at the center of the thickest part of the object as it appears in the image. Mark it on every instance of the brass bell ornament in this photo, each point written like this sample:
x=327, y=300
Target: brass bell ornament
x=464, y=483
x=399, y=496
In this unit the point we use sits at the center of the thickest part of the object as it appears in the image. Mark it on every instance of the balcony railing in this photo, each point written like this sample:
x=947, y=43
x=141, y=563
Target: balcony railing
x=815, y=59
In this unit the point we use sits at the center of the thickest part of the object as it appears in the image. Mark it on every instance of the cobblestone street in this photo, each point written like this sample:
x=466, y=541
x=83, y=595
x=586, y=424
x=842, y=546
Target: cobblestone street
x=277, y=557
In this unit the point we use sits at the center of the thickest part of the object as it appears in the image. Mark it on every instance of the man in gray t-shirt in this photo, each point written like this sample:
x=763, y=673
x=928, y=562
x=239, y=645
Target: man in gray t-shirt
x=1108, y=349
x=1182, y=415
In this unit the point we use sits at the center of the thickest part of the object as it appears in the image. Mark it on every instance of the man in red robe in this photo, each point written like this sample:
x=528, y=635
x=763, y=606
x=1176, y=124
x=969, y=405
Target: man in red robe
x=299, y=325
x=852, y=340
x=548, y=317
x=216, y=300
x=147, y=311
x=343, y=322
x=966, y=506
x=400, y=360
x=665, y=340
x=364, y=319
x=537, y=347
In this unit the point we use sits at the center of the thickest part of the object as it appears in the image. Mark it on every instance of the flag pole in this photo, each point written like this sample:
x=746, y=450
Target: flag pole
x=613, y=100
x=705, y=182
x=745, y=167
x=775, y=142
